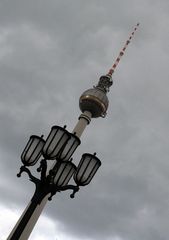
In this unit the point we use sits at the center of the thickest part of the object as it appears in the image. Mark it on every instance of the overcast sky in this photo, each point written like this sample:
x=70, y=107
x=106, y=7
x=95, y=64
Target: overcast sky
x=50, y=52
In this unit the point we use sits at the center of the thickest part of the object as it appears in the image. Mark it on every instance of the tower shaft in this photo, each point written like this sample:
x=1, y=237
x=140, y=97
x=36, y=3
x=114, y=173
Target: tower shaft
x=84, y=120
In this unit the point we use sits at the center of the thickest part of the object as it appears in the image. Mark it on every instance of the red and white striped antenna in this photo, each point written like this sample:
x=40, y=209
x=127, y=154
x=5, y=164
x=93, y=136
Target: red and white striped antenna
x=112, y=69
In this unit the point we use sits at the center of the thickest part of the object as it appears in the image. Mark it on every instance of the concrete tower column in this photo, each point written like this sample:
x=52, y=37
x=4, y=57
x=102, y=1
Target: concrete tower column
x=84, y=120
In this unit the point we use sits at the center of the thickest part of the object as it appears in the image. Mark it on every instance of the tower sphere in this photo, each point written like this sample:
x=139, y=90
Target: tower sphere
x=95, y=101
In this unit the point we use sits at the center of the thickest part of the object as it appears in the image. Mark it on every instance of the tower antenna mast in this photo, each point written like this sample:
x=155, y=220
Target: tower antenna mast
x=94, y=102
x=112, y=69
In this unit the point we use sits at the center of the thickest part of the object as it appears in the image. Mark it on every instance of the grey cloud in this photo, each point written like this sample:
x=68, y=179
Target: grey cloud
x=50, y=52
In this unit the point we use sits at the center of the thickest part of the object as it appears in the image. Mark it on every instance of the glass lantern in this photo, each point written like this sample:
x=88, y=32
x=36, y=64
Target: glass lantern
x=63, y=173
x=33, y=150
x=55, y=142
x=86, y=169
x=70, y=147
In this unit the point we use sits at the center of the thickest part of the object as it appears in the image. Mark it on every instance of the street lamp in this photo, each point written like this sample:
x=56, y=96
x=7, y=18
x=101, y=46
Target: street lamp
x=59, y=147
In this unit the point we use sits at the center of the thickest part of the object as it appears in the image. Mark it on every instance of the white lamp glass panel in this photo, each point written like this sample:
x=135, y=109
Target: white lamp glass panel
x=82, y=168
x=26, y=149
x=86, y=169
x=91, y=175
x=55, y=141
x=33, y=150
x=49, y=140
x=70, y=147
x=59, y=173
x=59, y=146
x=64, y=173
x=87, y=165
x=69, y=175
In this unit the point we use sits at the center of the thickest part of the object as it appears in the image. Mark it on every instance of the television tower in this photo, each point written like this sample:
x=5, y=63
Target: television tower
x=59, y=147
x=94, y=102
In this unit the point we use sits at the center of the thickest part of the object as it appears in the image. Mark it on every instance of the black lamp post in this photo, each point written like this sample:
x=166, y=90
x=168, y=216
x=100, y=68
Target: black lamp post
x=58, y=147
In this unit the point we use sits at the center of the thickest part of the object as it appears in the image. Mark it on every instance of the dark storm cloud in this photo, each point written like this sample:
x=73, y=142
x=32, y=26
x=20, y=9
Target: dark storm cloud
x=50, y=52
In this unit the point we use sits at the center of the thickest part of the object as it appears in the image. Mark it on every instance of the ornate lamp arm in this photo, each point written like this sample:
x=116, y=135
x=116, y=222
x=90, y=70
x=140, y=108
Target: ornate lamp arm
x=31, y=177
x=43, y=169
x=71, y=187
x=64, y=188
